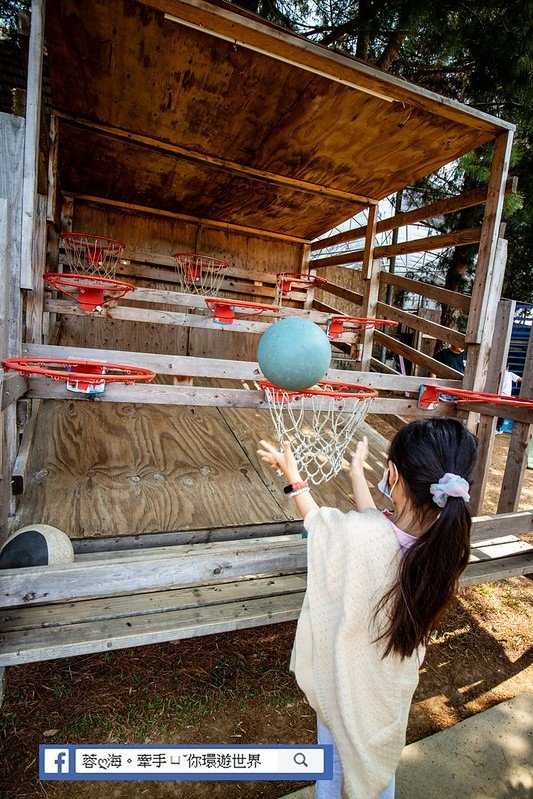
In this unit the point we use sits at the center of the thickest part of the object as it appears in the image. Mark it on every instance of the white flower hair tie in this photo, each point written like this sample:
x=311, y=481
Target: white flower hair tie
x=449, y=485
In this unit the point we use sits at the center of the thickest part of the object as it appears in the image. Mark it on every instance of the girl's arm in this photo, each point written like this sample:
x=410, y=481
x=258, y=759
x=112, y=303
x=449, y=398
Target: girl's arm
x=361, y=492
x=285, y=462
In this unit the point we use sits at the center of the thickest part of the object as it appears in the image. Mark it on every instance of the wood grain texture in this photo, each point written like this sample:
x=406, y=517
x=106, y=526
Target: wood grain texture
x=112, y=469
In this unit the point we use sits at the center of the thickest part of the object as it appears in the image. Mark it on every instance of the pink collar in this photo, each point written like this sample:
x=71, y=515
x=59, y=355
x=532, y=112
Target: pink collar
x=405, y=540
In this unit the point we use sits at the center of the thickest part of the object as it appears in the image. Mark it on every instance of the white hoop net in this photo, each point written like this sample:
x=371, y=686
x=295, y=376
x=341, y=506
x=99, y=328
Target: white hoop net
x=87, y=254
x=319, y=431
x=200, y=274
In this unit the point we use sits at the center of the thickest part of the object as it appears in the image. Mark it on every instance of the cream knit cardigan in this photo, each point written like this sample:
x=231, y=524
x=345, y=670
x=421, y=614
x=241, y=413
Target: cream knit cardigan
x=362, y=698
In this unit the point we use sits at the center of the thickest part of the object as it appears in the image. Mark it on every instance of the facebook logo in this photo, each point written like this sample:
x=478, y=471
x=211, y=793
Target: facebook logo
x=56, y=761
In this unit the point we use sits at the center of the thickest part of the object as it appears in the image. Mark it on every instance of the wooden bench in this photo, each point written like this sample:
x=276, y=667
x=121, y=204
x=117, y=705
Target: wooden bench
x=148, y=589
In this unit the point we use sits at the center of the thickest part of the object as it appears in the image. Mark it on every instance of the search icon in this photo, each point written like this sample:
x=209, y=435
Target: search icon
x=299, y=759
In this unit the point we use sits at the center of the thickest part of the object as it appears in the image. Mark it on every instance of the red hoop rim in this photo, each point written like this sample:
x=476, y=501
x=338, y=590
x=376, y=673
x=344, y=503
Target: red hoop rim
x=297, y=277
x=336, y=389
x=78, y=281
x=475, y=396
x=218, y=264
x=103, y=242
x=43, y=366
x=363, y=320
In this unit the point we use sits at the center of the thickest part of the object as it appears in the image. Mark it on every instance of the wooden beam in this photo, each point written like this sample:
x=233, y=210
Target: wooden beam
x=259, y=36
x=186, y=365
x=487, y=424
x=160, y=394
x=13, y=385
x=489, y=271
x=447, y=206
x=231, y=167
x=453, y=298
x=31, y=140
x=369, y=309
x=435, y=367
x=457, y=238
x=228, y=226
x=344, y=293
x=439, y=332
x=370, y=237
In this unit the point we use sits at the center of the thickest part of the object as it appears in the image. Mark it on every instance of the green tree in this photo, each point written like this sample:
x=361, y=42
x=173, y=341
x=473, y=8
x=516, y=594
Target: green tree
x=476, y=51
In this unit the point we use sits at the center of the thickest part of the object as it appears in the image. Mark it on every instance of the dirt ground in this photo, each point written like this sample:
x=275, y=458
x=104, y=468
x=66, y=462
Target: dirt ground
x=236, y=688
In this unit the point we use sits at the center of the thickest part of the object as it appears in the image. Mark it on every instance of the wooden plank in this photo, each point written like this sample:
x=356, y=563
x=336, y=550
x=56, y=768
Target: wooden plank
x=489, y=270
x=150, y=629
x=344, y=293
x=228, y=226
x=151, y=316
x=99, y=469
x=459, y=238
x=189, y=366
x=307, y=55
x=35, y=299
x=13, y=385
x=31, y=141
x=493, y=550
x=370, y=237
x=102, y=578
x=453, y=298
x=436, y=367
x=439, y=332
x=485, y=527
x=369, y=309
x=438, y=208
x=489, y=571
x=225, y=165
x=198, y=396
x=63, y=614
x=52, y=206
x=11, y=185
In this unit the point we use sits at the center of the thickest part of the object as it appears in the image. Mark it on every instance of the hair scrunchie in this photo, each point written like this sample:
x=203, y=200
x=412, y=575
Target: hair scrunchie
x=449, y=485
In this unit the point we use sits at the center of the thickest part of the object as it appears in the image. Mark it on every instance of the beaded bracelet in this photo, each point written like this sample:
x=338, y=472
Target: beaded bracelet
x=300, y=491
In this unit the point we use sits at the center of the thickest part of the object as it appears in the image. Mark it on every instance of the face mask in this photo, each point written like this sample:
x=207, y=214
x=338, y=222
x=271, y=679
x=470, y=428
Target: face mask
x=383, y=484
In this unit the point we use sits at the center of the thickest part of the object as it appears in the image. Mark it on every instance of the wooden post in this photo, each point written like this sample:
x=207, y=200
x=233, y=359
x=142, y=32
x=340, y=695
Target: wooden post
x=370, y=237
x=371, y=295
x=31, y=140
x=306, y=261
x=35, y=299
x=487, y=424
x=488, y=276
x=519, y=445
x=477, y=362
x=52, y=208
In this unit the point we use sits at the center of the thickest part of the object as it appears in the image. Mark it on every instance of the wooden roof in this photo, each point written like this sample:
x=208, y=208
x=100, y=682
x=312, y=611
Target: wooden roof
x=204, y=110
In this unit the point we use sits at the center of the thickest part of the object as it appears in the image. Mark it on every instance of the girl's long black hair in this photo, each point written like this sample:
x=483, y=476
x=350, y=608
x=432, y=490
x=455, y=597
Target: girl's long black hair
x=423, y=451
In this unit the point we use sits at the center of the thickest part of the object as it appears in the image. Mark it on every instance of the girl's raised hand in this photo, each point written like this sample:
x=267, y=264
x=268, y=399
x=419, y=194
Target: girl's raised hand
x=360, y=456
x=282, y=461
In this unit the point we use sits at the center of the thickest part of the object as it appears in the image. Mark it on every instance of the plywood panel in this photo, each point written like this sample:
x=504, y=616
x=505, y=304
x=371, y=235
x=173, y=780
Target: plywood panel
x=100, y=470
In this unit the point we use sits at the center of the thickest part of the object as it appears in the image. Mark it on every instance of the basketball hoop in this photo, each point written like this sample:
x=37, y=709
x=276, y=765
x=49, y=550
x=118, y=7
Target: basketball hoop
x=287, y=282
x=338, y=325
x=83, y=377
x=224, y=310
x=91, y=254
x=430, y=396
x=200, y=274
x=319, y=422
x=90, y=291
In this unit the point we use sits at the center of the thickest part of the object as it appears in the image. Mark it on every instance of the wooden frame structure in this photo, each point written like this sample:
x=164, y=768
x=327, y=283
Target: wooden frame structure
x=187, y=125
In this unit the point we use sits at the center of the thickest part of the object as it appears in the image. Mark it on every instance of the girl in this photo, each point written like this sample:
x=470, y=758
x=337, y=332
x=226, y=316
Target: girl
x=377, y=583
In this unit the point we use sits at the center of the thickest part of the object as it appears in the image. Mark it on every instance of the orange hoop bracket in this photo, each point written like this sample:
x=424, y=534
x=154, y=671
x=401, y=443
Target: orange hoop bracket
x=89, y=291
x=224, y=310
x=336, y=325
x=286, y=281
x=82, y=376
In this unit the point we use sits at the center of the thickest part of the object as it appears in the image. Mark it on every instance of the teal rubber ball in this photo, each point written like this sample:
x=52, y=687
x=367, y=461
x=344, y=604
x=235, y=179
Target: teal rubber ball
x=294, y=353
